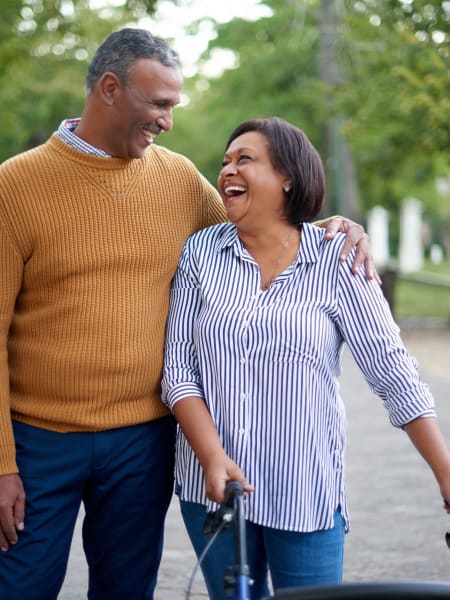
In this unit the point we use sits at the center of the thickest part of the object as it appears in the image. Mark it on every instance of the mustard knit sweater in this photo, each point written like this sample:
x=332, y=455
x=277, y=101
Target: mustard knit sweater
x=88, y=248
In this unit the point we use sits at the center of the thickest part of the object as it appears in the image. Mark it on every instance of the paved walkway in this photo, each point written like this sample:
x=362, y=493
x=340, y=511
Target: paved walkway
x=397, y=523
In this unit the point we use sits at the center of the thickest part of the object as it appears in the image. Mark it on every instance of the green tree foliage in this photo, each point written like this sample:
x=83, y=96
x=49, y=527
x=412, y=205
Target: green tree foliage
x=275, y=73
x=45, y=47
x=392, y=92
x=397, y=93
x=393, y=89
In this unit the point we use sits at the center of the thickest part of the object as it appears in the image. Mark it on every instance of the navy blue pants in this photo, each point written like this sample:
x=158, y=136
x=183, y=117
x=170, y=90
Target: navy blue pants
x=124, y=477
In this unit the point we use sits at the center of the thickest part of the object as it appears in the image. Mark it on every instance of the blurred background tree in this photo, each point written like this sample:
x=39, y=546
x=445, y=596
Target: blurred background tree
x=368, y=80
x=372, y=74
x=45, y=46
x=397, y=93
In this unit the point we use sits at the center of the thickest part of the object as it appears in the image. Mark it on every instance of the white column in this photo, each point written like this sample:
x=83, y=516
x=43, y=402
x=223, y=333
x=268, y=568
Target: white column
x=378, y=231
x=411, y=244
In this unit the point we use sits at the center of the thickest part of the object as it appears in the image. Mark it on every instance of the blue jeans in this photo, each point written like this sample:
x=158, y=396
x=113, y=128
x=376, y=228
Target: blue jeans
x=294, y=559
x=124, y=477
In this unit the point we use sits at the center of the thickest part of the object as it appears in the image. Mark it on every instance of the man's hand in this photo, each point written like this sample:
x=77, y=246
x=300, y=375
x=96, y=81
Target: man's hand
x=12, y=509
x=355, y=236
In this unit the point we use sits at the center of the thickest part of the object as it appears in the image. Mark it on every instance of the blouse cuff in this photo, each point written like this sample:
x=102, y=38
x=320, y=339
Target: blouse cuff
x=180, y=391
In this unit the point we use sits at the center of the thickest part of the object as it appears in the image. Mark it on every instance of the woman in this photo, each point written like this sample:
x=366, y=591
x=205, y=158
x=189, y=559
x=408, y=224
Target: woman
x=260, y=309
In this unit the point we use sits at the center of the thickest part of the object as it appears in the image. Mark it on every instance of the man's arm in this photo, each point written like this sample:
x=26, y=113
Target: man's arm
x=355, y=236
x=12, y=495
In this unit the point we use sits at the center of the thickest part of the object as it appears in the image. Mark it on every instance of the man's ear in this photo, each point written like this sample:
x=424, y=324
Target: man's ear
x=108, y=85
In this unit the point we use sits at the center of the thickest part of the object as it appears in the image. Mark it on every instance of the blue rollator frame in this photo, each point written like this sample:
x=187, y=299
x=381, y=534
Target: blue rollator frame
x=239, y=578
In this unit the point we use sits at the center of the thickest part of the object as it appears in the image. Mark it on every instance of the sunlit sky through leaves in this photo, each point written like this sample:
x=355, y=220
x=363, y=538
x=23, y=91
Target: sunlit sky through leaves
x=170, y=22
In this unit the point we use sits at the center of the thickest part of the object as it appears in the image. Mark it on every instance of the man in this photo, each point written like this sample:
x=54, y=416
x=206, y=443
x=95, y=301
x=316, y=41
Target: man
x=91, y=228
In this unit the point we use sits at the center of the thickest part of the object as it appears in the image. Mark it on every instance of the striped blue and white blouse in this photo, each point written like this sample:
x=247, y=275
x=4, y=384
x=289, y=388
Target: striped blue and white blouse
x=267, y=365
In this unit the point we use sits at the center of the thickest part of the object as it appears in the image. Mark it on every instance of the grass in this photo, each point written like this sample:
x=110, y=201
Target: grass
x=420, y=301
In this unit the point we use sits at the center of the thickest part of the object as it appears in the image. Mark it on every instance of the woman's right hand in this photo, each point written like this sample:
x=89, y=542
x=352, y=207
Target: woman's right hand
x=219, y=470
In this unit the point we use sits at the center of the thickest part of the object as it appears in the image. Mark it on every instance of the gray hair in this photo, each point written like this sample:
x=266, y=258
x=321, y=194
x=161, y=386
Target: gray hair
x=122, y=49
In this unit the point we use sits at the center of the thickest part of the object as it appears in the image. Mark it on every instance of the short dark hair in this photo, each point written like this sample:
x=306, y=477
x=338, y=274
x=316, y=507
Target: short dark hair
x=122, y=49
x=293, y=155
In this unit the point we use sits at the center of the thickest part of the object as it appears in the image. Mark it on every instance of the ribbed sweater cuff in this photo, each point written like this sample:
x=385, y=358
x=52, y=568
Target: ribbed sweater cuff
x=8, y=460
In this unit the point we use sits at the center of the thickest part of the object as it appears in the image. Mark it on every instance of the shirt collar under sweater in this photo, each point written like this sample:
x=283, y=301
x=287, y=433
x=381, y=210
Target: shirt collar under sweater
x=66, y=133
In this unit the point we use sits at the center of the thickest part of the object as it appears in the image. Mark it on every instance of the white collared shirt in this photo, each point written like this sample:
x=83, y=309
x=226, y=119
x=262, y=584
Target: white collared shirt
x=66, y=133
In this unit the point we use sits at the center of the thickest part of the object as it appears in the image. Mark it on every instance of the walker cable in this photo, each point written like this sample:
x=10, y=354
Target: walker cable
x=215, y=523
